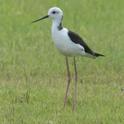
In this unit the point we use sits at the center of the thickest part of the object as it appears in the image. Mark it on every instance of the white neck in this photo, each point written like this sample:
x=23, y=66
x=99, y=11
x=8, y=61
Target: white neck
x=57, y=24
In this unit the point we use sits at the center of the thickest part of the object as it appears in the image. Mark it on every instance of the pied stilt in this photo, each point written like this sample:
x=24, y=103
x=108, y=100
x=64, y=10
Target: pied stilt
x=69, y=44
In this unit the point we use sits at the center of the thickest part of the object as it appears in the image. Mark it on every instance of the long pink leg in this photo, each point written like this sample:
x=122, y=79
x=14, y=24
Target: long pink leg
x=68, y=81
x=75, y=86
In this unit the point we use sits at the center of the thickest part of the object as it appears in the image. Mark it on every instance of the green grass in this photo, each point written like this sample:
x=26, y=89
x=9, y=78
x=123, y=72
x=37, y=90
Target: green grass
x=32, y=72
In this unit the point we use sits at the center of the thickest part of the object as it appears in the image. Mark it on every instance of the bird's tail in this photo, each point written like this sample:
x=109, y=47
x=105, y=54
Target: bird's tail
x=98, y=54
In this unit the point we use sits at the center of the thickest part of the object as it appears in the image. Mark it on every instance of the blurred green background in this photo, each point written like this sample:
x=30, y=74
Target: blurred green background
x=33, y=73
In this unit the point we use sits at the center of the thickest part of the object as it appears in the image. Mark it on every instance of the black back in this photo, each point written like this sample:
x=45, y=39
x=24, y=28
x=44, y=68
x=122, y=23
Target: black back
x=78, y=40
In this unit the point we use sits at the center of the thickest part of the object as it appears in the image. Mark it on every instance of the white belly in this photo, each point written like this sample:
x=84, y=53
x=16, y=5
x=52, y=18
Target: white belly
x=64, y=44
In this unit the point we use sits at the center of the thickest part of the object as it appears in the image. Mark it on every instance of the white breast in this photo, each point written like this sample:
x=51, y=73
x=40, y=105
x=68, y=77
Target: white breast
x=64, y=44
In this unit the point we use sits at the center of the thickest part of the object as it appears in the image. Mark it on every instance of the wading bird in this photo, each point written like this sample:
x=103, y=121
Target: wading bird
x=69, y=44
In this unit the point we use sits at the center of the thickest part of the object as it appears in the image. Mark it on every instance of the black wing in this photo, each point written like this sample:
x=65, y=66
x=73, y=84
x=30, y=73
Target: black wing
x=78, y=40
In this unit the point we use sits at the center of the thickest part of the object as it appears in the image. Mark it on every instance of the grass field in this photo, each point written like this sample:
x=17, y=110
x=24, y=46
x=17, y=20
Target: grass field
x=33, y=73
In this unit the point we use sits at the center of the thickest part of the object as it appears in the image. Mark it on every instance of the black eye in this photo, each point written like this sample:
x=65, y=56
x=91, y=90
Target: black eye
x=54, y=12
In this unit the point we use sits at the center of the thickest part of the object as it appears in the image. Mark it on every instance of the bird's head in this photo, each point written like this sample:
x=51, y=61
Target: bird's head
x=54, y=13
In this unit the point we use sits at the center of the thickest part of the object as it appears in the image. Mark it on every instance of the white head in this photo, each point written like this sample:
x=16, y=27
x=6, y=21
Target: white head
x=54, y=13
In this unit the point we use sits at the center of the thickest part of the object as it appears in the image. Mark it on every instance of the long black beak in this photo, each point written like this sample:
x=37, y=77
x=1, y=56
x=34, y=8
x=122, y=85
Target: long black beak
x=41, y=19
